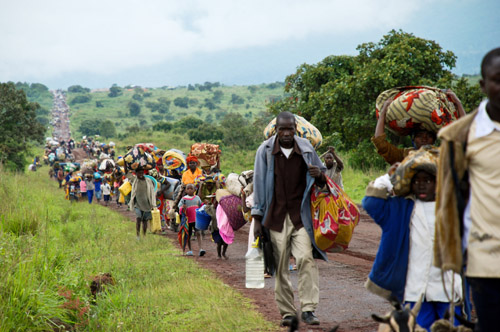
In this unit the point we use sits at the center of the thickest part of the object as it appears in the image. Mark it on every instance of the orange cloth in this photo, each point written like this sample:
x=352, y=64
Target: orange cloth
x=188, y=176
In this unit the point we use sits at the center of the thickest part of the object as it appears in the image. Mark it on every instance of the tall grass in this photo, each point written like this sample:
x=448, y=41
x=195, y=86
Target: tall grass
x=50, y=249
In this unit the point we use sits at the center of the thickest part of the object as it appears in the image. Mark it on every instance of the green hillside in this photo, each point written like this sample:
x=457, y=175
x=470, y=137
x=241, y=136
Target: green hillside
x=210, y=102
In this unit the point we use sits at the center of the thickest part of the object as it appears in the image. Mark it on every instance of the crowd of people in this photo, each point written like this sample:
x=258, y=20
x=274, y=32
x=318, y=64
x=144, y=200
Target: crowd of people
x=437, y=206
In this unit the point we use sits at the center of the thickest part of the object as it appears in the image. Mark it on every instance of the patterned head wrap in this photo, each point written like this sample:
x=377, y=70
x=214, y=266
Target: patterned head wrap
x=192, y=158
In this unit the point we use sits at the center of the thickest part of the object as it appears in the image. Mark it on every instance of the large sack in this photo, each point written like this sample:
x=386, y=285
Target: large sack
x=334, y=217
x=107, y=165
x=210, y=153
x=234, y=211
x=174, y=159
x=304, y=129
x=233, y=184
x=414, y=106
x=137, y=157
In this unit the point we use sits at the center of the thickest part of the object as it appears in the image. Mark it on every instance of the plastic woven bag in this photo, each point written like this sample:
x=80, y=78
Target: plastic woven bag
x=304, y=129
x=334, y=217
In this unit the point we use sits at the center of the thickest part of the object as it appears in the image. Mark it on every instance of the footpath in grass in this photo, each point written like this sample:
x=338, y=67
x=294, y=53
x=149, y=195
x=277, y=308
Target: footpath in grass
x=51, y=249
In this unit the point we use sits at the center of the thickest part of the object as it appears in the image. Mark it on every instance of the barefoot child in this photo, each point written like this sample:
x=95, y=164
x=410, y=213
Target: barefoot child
x=188, y=205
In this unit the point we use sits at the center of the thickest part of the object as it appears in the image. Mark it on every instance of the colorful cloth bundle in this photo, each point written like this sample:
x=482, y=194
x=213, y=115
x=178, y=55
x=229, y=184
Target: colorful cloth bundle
x=424, y=159
x=304, y=129
x=174, y=160
x=206, y=152
x=415, y=106
x=334, y=217
x=233, y=210
x=138, y=158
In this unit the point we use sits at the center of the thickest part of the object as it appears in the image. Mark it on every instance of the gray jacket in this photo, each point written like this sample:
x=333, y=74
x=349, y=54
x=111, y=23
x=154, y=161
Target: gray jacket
x=263, y=182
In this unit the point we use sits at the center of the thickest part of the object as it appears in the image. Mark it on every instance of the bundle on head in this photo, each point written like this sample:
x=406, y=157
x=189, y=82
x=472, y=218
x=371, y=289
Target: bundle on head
x=400, y=319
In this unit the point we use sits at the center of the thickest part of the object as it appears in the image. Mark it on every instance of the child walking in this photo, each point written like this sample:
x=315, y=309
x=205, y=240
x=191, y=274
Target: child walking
x=403, y=266
x=106, y=192
x=90, y=187
x=188, y=205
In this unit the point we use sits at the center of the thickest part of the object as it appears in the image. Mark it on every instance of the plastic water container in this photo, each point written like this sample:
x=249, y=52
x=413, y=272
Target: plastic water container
x=254, y=269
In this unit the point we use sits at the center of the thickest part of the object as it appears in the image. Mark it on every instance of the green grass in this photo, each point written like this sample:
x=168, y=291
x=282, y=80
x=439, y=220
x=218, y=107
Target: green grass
x=50, y=248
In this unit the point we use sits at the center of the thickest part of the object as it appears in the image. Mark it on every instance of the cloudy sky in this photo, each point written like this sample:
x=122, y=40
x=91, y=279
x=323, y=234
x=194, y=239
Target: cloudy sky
x=155, y=43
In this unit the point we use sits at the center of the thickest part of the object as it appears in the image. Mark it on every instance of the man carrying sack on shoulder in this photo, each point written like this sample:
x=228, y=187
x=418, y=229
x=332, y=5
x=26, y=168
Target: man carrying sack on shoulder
x=286, y=167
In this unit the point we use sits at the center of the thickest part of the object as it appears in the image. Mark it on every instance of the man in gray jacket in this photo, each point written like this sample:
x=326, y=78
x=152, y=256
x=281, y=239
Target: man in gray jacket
x=286, y=167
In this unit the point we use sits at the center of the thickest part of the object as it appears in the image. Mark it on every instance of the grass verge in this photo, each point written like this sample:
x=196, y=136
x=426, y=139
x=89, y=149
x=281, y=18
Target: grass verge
x=50, y=249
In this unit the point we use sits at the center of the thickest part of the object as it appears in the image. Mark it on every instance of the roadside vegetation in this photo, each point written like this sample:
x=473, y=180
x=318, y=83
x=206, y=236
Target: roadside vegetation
x=51, y=249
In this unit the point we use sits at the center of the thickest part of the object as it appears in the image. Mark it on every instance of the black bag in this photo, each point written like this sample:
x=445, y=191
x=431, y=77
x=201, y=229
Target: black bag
x=267, y=248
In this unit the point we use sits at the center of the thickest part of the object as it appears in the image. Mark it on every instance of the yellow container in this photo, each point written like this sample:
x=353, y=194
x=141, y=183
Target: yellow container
x=156, y=224
x=121, y=199
x=125, y=188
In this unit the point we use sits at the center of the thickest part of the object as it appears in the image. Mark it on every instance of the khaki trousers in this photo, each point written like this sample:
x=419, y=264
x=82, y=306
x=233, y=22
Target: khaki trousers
x=290, y=241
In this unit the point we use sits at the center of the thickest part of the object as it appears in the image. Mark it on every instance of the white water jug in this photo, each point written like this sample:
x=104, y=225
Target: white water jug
x=254, y=269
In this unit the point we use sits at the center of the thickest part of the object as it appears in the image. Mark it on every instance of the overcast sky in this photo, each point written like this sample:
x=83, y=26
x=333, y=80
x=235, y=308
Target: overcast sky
x=154, y=43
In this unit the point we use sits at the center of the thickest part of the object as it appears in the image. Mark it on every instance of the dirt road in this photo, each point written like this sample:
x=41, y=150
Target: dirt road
x=343, y=298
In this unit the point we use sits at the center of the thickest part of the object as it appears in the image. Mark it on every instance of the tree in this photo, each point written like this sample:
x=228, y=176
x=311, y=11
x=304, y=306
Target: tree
x=90, y=127
x=189, y=122
x=137, y=96
x=162, y=126
x=469, y=95
x=181, y=102
x=217, y=98
x=237, y=100
x=19, y=128
x=107, y=129
x=209, y=133
x=238, y=132
x=99, y=104
x=81, y=99
x=338, y=94
x=115, y=91
x=78, y=89
x=134, y=108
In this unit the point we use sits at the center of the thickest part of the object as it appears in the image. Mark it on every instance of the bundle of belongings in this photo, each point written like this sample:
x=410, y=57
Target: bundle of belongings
x=416, y=106
x=174, y=160
x=334, y=216
x=137, y=157
x=304, y=129
x=207, y=154
x=230, y=210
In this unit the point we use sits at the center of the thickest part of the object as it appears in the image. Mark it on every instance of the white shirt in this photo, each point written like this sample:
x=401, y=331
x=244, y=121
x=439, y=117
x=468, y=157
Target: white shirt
x=106, y=189
x=484, y=126
x=286, y=152
x=422, y=276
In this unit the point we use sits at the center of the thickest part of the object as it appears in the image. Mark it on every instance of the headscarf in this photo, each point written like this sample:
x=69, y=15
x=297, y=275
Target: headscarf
x=192, y=158
x=425, y=159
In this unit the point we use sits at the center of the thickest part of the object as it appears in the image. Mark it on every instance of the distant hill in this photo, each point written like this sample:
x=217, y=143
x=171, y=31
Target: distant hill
x=129, y=106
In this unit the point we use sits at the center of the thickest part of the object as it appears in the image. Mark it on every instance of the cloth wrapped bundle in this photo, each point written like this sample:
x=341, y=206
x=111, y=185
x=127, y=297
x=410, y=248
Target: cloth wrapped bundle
x=138, y=158
x=424, y=159
x=233, y=184
x=234, y=212
x=173, y=160
x=414, y=106
x=304, y=129
x=210, y=153
x=107, y=165
x=334, y=217
x=146, y=147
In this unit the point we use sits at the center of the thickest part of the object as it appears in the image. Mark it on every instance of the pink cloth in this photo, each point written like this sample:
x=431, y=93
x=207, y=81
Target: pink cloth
x=83, y=186
x=225, y=229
